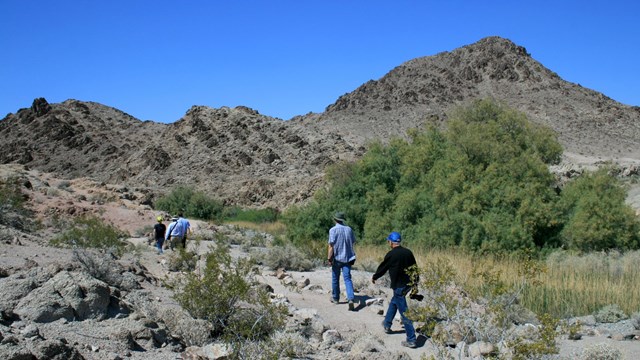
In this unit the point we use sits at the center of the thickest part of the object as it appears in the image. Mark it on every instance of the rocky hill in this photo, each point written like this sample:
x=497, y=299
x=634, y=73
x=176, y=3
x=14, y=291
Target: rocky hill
x=250, y=159
x=424, y=90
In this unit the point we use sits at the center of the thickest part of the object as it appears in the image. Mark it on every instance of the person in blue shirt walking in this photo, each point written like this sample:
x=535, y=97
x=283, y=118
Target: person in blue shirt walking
x=341, y=257
x=174, y=233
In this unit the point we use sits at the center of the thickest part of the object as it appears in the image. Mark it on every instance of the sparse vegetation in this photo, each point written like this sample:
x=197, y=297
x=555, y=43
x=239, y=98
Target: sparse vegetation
x=92, y=232
x=13, y=211
x=224, y=293
x=287, y=257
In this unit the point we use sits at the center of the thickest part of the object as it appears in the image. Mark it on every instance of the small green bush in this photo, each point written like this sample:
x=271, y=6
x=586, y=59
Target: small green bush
x=227, y=294
x=610, y=314
x=92, y=232
x=13, y=212
x=600, y=351
x=191, y=203
x=287, y=257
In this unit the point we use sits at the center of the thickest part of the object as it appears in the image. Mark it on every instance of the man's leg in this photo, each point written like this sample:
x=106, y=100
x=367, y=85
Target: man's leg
x=335, y=281
x=401, y=302
x=348, y=284
x=391, y=313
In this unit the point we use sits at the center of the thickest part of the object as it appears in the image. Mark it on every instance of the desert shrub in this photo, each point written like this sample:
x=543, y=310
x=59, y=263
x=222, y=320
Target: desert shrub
x=65, y=185
x=13, y=212
x=225, y=294
x=182, y=260
x=287, y=257
x=92, y=232
x=600, y=352
x=610, y=314
x=192, y=203
x=280, y=345
x=100, y=266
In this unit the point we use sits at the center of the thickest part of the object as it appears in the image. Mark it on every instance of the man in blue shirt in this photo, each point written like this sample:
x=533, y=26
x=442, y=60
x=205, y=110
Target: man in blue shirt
x=186, y=229
x=341, y=257
x=174, y=233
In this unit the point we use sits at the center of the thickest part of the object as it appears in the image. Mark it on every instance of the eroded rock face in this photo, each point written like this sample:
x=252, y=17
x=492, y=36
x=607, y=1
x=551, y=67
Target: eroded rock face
x=68, y=295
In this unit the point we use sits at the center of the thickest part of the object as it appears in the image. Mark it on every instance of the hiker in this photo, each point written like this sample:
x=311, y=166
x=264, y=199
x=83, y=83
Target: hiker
x=159, y=230
x=341, y=257
x=174, y=233
x=397, y=261
x=186, y=229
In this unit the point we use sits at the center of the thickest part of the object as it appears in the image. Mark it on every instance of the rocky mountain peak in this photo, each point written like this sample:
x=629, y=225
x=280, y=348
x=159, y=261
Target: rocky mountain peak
x=246, y=158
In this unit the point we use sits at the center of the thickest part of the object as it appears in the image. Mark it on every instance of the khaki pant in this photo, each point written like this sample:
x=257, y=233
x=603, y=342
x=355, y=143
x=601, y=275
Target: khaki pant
x=177, y=242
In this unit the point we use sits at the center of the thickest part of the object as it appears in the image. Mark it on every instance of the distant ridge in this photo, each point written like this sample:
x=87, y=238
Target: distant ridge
x=250, y=159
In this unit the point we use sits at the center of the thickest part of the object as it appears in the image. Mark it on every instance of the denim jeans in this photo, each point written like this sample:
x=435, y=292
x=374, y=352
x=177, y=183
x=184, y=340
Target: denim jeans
x=159, y=243
x=399, y=303
x=335, y=279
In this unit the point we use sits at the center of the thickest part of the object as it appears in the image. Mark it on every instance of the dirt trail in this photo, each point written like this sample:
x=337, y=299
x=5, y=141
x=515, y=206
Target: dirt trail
x=352, y=324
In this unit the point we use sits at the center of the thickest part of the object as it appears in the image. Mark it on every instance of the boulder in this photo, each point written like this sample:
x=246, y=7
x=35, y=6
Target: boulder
x=68, y=295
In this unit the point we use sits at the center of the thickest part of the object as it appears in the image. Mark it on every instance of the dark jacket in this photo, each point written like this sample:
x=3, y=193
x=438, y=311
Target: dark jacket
x=397, y=261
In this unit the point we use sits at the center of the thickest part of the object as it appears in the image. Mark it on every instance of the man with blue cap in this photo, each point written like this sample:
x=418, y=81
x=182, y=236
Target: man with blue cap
x=397, y=261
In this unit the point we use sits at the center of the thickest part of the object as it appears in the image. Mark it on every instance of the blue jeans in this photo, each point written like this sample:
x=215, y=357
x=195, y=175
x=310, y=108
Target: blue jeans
x=159, y=243
x=399, y=303
x=335, y=279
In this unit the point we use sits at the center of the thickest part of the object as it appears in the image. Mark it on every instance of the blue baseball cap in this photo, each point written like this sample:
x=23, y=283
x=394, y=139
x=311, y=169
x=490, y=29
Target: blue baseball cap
x=394, y=237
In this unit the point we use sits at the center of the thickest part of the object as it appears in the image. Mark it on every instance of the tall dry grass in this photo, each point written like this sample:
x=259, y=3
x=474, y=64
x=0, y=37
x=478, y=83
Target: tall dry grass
x=274, y=228
x=569, y=285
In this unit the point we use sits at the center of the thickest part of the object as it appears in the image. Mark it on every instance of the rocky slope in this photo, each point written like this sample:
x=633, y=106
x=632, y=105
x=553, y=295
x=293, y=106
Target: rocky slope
x=250, y=159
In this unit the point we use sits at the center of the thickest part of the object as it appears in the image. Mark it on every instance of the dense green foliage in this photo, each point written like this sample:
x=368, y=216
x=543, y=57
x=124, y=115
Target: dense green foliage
x=191, y=203
x=482, y=184
x=595, y=215
x=91, y=232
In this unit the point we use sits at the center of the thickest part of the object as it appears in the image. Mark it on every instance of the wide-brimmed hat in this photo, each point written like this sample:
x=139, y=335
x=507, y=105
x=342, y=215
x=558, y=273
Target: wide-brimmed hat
x=339, y=216
x=175, y=218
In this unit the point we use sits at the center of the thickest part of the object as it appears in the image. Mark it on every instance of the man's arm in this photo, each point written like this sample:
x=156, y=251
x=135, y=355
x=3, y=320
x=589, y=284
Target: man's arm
x=382, y=269
x=330, y=254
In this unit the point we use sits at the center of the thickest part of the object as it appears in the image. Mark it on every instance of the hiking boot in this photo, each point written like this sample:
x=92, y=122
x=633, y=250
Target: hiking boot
x=409, y=344
x=334, y=301
x=351, y=306
x=387, y=329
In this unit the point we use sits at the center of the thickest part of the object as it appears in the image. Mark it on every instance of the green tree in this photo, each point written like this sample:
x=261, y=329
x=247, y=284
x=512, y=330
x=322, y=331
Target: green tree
x=596, y=216
x=482, y=184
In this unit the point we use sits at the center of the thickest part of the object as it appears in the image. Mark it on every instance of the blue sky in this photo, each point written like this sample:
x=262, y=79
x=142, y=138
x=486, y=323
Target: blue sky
x=154, y=59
